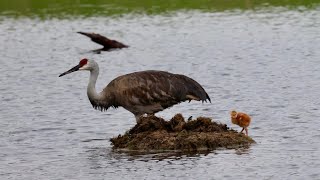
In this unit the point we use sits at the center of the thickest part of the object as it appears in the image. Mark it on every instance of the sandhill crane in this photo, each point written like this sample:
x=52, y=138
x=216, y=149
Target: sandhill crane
x=144, y=92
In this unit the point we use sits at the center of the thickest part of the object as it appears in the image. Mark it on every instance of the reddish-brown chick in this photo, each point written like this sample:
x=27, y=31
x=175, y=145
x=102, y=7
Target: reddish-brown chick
x=241, y=119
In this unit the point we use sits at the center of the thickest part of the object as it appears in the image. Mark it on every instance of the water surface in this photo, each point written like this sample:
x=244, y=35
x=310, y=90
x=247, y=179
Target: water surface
x=263, y=62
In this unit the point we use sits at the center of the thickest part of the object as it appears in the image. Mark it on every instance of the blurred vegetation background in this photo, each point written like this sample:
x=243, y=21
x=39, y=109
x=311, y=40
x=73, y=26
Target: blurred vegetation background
x=63, y=8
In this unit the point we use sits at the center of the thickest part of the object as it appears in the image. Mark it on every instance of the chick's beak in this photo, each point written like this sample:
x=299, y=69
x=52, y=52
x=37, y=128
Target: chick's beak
x=76, y=68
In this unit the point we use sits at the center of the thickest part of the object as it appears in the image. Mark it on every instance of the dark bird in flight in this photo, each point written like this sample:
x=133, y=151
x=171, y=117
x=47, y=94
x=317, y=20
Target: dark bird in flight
x=108, y=44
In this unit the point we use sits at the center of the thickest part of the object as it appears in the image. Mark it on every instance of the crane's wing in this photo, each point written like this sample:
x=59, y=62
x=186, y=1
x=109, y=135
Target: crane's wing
x=155, y=87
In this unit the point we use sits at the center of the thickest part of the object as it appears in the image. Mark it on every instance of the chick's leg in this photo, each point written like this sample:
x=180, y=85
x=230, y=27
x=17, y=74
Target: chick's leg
x=241, y=130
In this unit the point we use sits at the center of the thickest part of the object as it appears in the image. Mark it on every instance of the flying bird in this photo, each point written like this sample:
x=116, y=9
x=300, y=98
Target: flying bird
x=107, y=43
x=144, y=92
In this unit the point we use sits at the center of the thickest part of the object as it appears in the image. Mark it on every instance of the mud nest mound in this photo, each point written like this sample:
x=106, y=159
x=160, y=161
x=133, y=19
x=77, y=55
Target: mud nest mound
x=156, y=134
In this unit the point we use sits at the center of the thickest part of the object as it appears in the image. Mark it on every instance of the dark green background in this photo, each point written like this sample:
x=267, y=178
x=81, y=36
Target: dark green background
x=64, y=8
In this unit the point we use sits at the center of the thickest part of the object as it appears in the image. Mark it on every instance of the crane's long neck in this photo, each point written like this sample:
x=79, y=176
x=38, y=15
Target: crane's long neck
x=97, y=100
x=102, y=100
x=91, y=90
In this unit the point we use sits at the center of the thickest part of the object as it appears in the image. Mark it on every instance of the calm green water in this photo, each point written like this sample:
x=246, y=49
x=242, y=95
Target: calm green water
x=62, y=8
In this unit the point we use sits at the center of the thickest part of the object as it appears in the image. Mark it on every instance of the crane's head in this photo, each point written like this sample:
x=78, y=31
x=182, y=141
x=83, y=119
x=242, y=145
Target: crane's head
x=84, y=64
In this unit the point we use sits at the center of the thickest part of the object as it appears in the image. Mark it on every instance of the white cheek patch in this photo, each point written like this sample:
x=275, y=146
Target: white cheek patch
x=85, y=67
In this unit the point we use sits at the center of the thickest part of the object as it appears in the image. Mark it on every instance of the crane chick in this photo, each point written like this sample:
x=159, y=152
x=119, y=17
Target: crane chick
x=241, y=119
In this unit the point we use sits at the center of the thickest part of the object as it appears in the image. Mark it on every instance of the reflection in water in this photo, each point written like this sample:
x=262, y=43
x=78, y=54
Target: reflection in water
x=261, y=62
x=146, y=156
x=161, y=164
x=242, y=151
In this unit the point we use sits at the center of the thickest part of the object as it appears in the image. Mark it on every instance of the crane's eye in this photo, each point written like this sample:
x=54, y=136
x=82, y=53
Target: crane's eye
x=83, y=62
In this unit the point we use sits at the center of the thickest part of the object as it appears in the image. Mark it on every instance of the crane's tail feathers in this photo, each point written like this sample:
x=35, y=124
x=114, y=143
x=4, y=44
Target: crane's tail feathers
x=194, y=91
x=208, y=98
x=191, y=97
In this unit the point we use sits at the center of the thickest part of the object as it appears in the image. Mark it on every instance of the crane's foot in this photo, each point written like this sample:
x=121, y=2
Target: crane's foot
x=150, y=115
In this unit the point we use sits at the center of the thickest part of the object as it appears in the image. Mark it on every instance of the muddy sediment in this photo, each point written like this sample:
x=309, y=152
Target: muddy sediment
x=156, y=134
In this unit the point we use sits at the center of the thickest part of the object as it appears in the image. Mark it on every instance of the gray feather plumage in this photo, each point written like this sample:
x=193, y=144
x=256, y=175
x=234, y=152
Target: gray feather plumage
x=149, y=92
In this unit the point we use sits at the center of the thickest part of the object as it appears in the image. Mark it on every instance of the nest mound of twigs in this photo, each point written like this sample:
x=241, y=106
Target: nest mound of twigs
x=156, y=134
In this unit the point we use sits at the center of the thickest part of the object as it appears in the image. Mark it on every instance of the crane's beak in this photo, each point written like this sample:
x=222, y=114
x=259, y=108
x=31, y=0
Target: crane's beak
x=76, y=68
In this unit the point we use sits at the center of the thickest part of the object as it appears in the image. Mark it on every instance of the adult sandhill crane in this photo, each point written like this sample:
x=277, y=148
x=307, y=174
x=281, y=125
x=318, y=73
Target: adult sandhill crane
x=144, y=92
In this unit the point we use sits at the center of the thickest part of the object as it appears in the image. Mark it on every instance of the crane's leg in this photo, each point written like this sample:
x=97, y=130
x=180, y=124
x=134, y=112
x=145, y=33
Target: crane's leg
x=138, y=118
x=246, y=131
